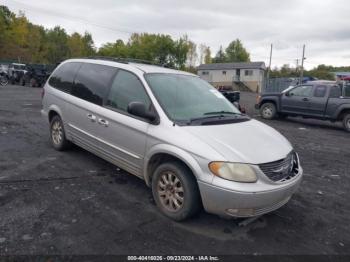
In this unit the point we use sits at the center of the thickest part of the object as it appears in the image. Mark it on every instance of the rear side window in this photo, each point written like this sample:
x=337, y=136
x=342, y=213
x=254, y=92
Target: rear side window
x=335, y=91
x=126, y=88
x=320, y=91
x=63, y=77
x=92, y=82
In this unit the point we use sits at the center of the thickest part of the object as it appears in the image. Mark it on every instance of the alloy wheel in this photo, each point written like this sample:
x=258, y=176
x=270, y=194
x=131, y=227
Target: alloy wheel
x=170, y=191
x=57, y=132
x=267, y=111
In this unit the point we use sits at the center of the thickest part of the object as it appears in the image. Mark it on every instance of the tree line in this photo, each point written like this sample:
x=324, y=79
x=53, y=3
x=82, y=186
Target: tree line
x=324, y=72
x=24, y=41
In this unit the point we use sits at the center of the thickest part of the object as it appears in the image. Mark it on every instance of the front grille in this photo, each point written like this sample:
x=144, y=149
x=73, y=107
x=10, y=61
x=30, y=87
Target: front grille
x=283, y=169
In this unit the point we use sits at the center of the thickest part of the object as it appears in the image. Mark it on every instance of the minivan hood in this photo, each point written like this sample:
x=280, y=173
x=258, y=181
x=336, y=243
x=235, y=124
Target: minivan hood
x=245, y=142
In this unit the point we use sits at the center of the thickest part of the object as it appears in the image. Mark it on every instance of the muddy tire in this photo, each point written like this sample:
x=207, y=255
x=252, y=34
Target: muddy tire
x=175, y=191
x=57, y=135
x=268, y=111
x=346, y=122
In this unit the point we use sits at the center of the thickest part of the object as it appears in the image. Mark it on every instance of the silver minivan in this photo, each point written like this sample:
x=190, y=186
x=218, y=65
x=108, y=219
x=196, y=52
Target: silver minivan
x=174, y=131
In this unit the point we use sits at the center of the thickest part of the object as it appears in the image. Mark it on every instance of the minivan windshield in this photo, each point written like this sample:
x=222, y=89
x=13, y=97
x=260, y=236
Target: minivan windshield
x=187, y=98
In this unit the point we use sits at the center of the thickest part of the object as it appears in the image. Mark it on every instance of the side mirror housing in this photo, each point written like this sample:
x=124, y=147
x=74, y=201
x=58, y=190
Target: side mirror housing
x=139, y=109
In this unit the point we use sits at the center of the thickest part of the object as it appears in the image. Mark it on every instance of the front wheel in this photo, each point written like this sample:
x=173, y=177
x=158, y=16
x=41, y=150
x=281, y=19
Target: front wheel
x=175, y=191
x=346, y=122
x=268, y=111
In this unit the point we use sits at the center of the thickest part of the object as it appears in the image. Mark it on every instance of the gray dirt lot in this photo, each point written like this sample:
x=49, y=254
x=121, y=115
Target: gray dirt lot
x=76, y=203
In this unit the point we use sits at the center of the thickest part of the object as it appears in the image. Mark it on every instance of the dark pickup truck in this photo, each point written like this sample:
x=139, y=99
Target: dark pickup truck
x=326, y=100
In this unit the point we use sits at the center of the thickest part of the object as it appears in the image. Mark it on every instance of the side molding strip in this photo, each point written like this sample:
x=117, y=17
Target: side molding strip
x=105, y=142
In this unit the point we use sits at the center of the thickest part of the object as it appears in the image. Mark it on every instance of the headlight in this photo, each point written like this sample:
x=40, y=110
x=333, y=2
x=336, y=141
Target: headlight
x=233, y=171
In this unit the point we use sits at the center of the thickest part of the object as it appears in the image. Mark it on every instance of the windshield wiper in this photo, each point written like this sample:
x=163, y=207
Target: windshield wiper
x=217, y=114
x=222, y=112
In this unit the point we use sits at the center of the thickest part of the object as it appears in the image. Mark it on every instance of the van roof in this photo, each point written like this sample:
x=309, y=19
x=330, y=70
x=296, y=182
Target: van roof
x=132, y=64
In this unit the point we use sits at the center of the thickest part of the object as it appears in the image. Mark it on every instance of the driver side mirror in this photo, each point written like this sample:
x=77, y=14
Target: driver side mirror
x=139, y=109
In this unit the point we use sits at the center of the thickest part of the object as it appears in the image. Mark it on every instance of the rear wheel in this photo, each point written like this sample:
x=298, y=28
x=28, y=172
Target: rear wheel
x=268, y=111
x=3, y=80
x=346, y=122
x=57, y=134
x=175, y=191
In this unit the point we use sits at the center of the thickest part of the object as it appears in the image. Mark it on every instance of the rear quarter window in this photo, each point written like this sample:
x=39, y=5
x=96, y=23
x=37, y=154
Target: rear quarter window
x=320, y=91
x=335, y=91
x=347, y=91
x=62, y=79
x=92, y=82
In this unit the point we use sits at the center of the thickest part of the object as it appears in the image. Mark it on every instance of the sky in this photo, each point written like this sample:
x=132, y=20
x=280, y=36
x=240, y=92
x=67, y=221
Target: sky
x=322, y=25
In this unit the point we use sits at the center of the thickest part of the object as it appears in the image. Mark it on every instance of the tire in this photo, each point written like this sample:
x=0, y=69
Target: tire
x=346, y=122
x=183, y=191
x=57, y=134
x=3, y=80
x=268, y=111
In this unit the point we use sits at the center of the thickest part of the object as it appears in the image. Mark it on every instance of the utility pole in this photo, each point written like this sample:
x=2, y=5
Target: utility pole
x=297, y=65
x=302, y=66
x=268, y=70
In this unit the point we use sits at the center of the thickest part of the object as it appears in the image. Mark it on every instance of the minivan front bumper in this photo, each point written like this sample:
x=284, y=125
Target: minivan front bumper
x=234, y=203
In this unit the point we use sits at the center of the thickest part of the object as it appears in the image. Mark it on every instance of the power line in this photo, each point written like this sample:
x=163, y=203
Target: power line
x=72, y=18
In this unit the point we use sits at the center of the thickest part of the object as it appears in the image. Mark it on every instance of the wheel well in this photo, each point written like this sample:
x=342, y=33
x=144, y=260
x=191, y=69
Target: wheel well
x=343, y=113
x=158, y=159
x=52, y=113
x=268, y=101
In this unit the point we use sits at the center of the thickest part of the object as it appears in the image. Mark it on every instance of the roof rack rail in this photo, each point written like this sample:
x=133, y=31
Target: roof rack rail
x=124, y=60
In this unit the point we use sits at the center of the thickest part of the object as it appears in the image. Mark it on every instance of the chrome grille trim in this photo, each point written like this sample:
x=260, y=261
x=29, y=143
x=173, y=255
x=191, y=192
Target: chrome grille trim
x=281, y=170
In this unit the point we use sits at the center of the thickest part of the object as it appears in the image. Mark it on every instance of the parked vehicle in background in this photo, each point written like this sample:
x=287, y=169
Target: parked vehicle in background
x=175, y=131
x=232, y=96
x=36, y=75
x=326, y=100
x=16, y=73
x=4, y=75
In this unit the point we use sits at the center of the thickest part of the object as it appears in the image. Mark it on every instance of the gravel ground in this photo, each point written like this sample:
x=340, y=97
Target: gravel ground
x=76, y=203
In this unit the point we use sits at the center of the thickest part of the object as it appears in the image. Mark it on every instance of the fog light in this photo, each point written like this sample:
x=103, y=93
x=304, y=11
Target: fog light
x=241, y=211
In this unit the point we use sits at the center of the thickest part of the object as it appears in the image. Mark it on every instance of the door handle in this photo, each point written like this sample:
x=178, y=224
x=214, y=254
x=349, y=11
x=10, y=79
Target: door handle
x=91, y=117
x=103, y=122
x=305, y=99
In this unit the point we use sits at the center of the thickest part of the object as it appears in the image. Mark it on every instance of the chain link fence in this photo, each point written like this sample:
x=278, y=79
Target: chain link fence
x=277, y=85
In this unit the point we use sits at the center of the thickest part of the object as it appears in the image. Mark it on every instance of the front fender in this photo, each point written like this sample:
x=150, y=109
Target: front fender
x=183, y=155
x=273, y=99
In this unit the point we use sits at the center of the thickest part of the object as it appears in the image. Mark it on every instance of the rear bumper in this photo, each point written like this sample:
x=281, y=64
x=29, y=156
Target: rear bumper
x=232, y=203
